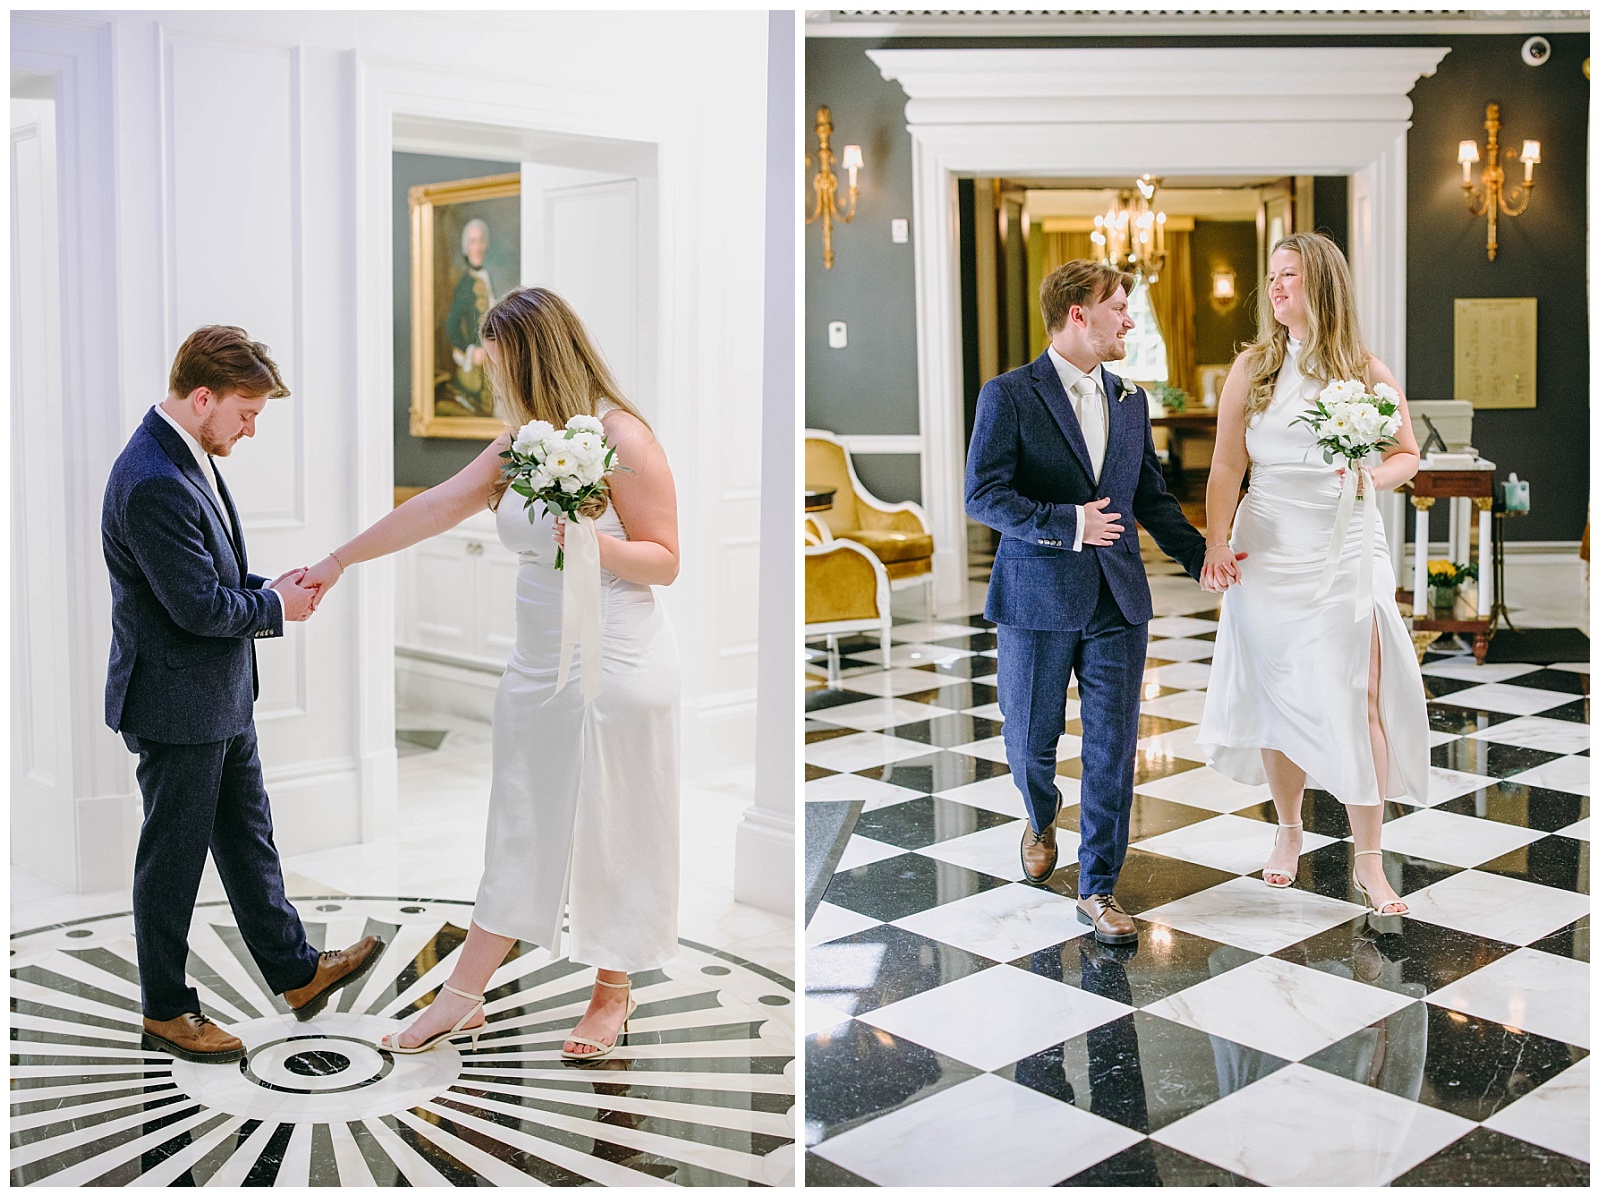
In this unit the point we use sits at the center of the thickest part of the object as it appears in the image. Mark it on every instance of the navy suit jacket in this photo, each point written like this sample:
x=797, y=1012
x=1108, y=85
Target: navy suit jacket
x=1028, y=469
x=185, y=610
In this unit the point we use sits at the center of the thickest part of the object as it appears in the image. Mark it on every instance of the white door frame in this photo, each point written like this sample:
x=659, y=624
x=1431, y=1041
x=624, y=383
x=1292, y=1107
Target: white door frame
x=1178, y=111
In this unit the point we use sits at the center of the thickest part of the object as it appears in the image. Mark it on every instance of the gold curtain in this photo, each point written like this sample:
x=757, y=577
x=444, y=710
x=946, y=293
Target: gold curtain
x=1172, y=298
x=1053, y=249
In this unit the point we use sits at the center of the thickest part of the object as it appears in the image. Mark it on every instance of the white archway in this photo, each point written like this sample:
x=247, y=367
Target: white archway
x=1174, y=111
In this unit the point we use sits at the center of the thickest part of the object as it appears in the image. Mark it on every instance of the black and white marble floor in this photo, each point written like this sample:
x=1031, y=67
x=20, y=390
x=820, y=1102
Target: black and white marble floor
x=963, y=1029
x=698, y=1092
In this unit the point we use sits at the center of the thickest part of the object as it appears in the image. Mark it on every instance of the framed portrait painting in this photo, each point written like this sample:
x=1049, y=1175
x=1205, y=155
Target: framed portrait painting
x=466, y=253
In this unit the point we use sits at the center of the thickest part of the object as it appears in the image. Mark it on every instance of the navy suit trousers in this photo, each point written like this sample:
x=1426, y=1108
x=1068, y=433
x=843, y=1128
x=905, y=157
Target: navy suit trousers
x=1035, y=668
x=199, y=797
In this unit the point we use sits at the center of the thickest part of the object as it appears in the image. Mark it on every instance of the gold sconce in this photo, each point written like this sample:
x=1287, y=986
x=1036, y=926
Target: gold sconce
x=826, y=185
x=1224, y=288
x=1492, y=197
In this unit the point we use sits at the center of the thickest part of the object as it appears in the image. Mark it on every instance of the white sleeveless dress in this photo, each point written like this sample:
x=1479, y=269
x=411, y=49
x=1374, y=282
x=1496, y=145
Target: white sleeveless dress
x=583, y=807
x=1289, y=672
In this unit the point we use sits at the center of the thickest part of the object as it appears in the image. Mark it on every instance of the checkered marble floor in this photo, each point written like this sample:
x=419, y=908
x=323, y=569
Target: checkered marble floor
x=964, y=1029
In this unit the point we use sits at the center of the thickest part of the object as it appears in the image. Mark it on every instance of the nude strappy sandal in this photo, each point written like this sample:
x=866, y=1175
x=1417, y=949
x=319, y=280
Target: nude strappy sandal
x=601, y=1050
x=391, y=1042
x=1371, y=909
x=1290, y=874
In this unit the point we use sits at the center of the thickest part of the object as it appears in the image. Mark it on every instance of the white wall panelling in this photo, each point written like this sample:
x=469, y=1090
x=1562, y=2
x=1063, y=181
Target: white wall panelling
x=1196, y=111
x=236, y=167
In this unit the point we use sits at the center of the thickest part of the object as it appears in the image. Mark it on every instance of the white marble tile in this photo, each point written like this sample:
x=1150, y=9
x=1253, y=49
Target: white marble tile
x=1436, y=738
x=1445, y=784
x=1250, y=914
x=1573, y=666
x=861, y=751
x=1179, y=625
x=949, y=1139
x=1186, y=705
x=908, y=655
x=1503, y=908
x=820, y=1017
x=1185, y=675
x=1555, y=1115
x=1001, y=924
x=1180, y=650
x=1284, y=1009
x=992, y=749
x=1578, y=831
x=1530, y=731
x=1530, y=990
x=1510, y=700
x=989, y=710
x=1000, y=794
x=1468, y=670
x=875, y=714
x=891, y=683
x=1179, y=743
x=848, y=787
x=864, y=851
x=1570, y=774
x=1454, y=839
x=1205, y=788
x=922, y=632
x=995, y=851
x=1226, y=842
x=1304, y=1127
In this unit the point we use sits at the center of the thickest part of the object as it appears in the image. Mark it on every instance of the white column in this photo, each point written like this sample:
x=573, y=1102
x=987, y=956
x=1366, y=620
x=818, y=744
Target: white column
x=1485, y=561
x=763, y=868
x=1419, y=573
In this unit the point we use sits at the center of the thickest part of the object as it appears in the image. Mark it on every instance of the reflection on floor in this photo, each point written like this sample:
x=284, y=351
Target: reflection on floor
x=962, y=1029
x=701, y=1091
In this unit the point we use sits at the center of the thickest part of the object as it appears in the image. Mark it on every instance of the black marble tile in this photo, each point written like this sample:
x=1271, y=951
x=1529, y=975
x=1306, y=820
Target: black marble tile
x=824, y=698
x=958, y=696
x=824, y=1174
x=947, y=730
x=1142, y=1072
x=1327, y=871
x=924, y=821
x=978, y=642
x=1556, y=861
x=1165, y=961
x=901, y=885
x=1406, y=956
x=855, y=1072
x=883, y=964
x=936, y=771
x=1437, y=687
x=1463, y=721
x=1321, y=813
x=1468, y=1066
x=1483, y=1158
x=1149, y=1164
x=1561, y=681
x=1572, y=712
x=1149, y=817
x=1149, y=880
x=1147, y=766
x=1533, y=807
x=973, y=667
x=1486, y=758
x=1572, y=941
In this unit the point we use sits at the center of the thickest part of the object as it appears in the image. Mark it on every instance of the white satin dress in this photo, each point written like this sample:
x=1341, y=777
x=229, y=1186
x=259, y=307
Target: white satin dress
x=583, y=807
x=1290, y=672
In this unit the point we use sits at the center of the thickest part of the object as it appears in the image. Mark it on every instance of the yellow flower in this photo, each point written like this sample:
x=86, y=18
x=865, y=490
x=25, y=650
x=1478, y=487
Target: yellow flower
x=1440, y=564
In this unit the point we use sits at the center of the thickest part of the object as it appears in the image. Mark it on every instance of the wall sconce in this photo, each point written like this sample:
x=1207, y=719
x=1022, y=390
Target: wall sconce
x=826, y=185
x=1492, y=197
x=1224, y=289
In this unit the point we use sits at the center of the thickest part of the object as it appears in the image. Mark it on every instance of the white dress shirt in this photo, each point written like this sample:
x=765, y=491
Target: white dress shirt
x=1088, y=420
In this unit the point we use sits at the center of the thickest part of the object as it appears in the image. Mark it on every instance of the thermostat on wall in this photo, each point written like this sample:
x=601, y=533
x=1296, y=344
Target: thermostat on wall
x=899, y=233
x=836, y=335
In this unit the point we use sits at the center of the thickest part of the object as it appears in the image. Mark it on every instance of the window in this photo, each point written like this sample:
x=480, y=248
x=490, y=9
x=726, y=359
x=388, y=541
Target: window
x=1147, y=351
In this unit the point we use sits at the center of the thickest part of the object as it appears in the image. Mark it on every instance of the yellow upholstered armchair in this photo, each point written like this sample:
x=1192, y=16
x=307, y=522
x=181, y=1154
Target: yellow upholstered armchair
x=847, y=590
x=896, y=533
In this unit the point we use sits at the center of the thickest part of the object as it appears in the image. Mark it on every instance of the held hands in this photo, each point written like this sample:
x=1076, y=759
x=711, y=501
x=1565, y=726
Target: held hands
x=1101, y=527
x=321, y=577
x=299, y=600
x=1221, y=568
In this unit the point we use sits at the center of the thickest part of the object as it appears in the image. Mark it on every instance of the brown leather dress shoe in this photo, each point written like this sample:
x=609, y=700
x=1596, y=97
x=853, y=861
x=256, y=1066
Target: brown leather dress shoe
x=1038, y=852
x=192, y=1037
x=334, y=970
x=1111, y=923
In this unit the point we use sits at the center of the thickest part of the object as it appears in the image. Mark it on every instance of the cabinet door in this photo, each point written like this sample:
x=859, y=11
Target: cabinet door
x=443, y=597
x=497, y=602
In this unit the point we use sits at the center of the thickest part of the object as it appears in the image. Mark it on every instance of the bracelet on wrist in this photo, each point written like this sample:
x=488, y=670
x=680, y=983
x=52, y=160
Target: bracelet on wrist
x=337, y=562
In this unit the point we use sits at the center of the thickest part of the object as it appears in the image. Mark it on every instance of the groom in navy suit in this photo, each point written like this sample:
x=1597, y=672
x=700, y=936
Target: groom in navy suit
x=1061, y=456
x=186, y=613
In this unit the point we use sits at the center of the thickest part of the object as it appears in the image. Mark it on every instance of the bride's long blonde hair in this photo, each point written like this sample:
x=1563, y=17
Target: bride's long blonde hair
x=545, y=366
x=1333, y=347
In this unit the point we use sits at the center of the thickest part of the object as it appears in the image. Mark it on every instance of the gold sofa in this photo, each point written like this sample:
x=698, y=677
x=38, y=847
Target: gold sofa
x=847, y=590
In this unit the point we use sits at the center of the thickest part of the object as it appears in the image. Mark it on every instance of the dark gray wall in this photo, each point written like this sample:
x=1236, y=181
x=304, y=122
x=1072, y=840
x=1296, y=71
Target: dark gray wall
x=1216, y=243
x=422, y=461
x=871, y=387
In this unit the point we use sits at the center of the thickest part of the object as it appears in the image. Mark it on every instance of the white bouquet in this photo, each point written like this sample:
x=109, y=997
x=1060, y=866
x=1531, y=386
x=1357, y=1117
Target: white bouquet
x=1351, y=422
x=562, y=469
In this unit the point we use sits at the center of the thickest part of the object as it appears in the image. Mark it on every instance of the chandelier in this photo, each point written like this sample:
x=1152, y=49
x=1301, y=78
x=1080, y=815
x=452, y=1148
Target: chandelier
x=1132, y=235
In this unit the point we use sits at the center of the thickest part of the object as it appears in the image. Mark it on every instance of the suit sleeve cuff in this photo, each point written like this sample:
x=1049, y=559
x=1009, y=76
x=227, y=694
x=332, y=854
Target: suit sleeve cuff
x=1077, y=532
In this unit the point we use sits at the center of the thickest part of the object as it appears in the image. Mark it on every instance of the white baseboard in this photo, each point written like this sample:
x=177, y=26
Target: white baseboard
x=763, y=860
x=428, y=685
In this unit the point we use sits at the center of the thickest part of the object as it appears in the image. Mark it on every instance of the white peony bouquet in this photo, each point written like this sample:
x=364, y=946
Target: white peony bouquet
x=1351, y=422
x=562, y=468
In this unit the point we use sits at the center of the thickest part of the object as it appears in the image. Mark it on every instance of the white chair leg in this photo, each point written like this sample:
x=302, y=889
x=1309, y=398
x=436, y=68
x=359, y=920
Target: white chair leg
x=883, y=641
x=833, y=661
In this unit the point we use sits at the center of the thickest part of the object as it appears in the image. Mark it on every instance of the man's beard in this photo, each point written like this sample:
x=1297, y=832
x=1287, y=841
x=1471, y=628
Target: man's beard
x=209, y=440
x=1113, y=349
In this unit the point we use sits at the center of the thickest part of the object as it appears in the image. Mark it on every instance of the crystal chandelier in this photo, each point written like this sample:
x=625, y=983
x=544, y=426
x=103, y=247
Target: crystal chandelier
x=1132, y=235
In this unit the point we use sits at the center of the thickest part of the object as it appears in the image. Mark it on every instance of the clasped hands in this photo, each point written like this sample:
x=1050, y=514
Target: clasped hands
x=1102, y=527
x=302, y=589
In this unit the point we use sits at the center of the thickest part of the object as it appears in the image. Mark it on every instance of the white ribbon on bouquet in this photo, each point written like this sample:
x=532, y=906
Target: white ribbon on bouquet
x=1354, y=477
x=580, y=605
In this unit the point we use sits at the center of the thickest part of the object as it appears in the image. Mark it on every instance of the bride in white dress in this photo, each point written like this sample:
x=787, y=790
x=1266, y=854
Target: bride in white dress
x=1305, y=690
x=583, y=806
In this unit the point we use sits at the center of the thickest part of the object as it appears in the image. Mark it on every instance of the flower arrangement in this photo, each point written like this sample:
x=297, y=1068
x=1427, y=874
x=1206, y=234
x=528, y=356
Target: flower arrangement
x=1448, y=573
x=562, y=469
x=1174, y=399
x=1351, y=422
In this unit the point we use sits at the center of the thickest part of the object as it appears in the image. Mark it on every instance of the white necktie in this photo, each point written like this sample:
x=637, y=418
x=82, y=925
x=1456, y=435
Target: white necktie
x=1091, y=419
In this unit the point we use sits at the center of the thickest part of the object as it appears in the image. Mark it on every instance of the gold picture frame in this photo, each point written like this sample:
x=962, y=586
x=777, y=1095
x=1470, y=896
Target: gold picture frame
x=450, y=396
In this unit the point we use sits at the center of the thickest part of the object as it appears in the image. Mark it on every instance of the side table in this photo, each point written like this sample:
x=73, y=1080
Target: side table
x=1426, y=488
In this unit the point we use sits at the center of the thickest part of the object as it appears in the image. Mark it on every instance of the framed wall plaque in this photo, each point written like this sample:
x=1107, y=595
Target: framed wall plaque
x=1497, y=352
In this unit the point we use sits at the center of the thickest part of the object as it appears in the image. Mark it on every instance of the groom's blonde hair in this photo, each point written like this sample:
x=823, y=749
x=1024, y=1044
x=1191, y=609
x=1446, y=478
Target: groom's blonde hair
x=1333, y=348
x=1078, y=283
x=546, y=366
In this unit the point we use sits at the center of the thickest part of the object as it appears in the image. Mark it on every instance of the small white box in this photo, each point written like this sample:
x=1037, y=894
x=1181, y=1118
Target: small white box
x=836, y=335
x=899, y=230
